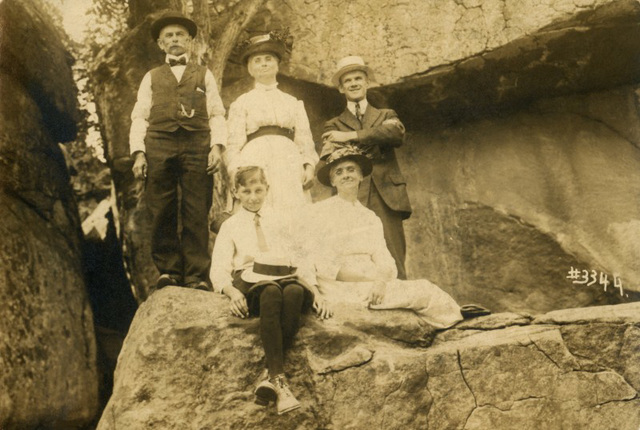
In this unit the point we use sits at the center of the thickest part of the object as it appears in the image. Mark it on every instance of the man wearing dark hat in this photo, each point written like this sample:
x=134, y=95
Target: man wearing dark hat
x=377, y=132
x=177, y=134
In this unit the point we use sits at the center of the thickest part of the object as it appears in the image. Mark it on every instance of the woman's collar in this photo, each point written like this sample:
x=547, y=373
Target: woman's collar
x=264, y=87
x=347, y=201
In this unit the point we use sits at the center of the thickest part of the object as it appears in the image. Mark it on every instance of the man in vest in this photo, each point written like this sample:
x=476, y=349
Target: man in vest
x=177, y=135
x=377, y=132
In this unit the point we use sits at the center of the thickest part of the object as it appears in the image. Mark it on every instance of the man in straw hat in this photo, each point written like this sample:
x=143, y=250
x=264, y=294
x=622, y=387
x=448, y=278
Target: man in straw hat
x=377, y=132
x=177, y=134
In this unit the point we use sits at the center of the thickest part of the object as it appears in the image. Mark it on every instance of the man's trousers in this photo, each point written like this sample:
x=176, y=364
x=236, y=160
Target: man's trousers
x=178, y=187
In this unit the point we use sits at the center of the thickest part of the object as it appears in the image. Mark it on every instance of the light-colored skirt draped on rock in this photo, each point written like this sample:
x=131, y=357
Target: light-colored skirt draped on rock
x=426, y=299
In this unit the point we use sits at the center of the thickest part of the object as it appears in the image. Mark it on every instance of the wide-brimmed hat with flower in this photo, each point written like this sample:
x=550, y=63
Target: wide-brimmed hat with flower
x=276, y=42
x=344, y=153
x=268, y=267
x=172, y=17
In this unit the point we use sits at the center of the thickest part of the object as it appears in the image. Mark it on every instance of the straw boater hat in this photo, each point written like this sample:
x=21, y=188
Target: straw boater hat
x=274, y=42
x=350, y=64
x=268, y=267
x=345, y=153
x=172, y=17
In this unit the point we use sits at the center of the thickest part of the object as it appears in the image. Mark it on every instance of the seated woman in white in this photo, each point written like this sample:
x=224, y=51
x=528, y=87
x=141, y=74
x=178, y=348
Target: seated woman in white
x=346, y=241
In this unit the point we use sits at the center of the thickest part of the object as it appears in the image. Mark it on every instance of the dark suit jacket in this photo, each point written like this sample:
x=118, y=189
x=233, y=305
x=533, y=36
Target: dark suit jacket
x=380, y=133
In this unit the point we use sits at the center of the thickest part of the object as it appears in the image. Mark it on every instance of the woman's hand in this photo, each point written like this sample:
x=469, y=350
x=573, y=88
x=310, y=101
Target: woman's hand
x=322, y=307
x=238, y=302
x=377, y=293
x=307, y=177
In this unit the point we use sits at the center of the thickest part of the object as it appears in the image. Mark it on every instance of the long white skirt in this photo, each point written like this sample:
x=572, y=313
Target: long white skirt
x=426, y=299
x=282, y=163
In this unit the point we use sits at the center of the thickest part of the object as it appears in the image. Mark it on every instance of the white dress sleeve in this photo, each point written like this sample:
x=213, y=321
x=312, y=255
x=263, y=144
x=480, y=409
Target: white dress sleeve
x=303, y=138
x=237, y=129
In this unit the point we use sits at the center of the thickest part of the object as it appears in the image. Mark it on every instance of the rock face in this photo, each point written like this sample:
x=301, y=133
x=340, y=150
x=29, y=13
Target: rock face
x=513, y=203
x=48, y=373
x=522, y=149
x=423, y=36
x=187, y=363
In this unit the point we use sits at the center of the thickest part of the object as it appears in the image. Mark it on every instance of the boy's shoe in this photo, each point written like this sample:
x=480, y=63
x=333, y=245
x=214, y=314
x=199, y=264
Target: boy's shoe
x=286, y=400
x=265, y=391
x=165, y=280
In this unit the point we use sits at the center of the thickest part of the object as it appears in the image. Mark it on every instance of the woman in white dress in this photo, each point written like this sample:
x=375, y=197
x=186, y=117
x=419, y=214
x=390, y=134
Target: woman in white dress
x=270, y=129
x=346, y=243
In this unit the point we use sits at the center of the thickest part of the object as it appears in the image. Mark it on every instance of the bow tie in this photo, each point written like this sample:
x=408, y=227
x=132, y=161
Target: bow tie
x=182, y=61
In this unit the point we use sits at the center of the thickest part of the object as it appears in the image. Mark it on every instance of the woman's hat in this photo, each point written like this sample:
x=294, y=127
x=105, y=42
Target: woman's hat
x=172, y=17
x=274, y=42
x=348, y=152
x=350, y=64
x=268, y=267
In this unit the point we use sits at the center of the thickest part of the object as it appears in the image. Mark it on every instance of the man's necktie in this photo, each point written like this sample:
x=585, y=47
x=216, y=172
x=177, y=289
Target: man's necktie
x=182, y=61
x=358, y=113
x=262, y=241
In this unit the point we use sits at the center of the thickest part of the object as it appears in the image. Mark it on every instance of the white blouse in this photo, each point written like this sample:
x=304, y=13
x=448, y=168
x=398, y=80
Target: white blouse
x=265, y=106
x=345, y=233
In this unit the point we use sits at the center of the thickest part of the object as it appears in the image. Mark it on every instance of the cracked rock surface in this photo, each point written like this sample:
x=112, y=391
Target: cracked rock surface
x=187, y=363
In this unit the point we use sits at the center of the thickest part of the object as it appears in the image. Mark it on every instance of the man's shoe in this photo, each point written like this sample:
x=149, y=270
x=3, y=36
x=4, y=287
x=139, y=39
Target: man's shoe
x=165, y=280
x=265, y=391
x=286, y=401
x=198, y=285
x=473, y=310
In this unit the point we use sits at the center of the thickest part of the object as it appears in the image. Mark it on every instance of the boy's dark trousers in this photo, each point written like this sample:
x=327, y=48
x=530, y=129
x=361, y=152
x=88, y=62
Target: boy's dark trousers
x=179, y=160
x=279, y=304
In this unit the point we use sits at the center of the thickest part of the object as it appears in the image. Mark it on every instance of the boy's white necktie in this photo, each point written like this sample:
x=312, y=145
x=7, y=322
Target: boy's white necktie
x=262, y=241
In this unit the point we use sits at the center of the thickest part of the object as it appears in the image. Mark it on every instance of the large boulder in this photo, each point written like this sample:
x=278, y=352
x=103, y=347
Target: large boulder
x=187, y=363
x=509, y=205
x=48, y=375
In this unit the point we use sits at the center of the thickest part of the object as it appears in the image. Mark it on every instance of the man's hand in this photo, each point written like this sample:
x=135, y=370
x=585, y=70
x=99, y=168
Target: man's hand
x=238, y=302
x=307, y=177
x=214, y=160
x=335, y=136
x=322, y=307
x=140, y=166
x=377, y=293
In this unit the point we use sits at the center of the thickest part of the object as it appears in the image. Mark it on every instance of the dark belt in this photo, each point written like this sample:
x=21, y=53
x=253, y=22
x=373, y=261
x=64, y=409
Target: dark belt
x=271, y=130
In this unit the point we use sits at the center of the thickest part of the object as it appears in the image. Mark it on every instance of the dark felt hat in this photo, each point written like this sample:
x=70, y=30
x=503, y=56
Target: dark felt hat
x=173, y=17
x=273, y=42
x=339, y=155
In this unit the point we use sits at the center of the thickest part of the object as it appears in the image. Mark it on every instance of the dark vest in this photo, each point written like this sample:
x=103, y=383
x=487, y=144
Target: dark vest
x=168, y=97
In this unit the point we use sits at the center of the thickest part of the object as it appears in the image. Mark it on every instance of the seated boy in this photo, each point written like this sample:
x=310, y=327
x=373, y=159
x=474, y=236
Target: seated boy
x=250, y=265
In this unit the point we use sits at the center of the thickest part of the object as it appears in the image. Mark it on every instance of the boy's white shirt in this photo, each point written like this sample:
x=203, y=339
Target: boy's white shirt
x=237, y=245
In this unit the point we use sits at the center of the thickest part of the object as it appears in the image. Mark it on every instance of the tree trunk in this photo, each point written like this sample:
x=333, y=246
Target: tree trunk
x=237, y=20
